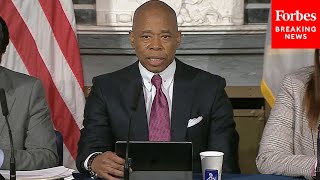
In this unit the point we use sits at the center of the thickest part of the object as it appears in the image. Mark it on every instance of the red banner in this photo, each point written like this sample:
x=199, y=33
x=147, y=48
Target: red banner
x=295, y=24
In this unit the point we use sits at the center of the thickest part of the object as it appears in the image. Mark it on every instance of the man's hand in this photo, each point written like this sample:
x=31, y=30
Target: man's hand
x=108, y=166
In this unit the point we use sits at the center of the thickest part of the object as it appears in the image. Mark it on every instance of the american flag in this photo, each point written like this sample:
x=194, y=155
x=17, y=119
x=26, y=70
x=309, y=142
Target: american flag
x=279, y=62
x=43, y=44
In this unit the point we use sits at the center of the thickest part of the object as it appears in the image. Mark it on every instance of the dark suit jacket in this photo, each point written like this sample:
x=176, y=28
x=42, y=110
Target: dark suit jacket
x=195, y=93
x=29, y=118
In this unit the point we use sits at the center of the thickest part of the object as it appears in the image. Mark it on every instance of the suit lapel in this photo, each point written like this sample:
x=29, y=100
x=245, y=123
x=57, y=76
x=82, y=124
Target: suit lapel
x=181, y=102
x=7, y=86
x=139, y=123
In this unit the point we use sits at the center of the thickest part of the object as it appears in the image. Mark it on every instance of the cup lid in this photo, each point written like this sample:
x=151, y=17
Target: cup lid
x=211, y=153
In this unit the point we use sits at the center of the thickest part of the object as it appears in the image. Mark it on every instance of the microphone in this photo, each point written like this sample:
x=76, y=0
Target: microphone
x=5, y=113
x=134, y=108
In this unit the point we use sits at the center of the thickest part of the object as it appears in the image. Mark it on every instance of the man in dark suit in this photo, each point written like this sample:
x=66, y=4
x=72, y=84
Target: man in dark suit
x=191, y=103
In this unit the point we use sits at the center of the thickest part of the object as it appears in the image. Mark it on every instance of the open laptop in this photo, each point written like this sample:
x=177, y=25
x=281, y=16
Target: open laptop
x=158, y=160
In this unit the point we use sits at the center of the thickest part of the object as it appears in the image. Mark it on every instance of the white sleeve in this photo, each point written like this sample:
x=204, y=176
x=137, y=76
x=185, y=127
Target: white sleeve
x=85, y=162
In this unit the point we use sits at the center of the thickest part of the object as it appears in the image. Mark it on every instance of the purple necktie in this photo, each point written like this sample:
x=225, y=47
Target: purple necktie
x=159, y=123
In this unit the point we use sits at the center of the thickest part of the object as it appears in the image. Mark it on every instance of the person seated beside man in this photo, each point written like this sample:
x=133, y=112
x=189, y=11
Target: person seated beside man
x=29, y=118
x=289, y=141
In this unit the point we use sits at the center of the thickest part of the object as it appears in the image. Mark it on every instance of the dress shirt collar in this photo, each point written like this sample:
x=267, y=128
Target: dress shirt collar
x=166, y=75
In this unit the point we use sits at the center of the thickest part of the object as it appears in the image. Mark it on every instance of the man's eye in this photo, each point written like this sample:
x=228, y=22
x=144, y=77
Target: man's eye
x=165, y=37
x=145, y=37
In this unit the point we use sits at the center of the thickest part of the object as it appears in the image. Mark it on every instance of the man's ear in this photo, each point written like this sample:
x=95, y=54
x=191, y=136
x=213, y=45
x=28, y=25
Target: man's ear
x=178, y=38
x=131, y=36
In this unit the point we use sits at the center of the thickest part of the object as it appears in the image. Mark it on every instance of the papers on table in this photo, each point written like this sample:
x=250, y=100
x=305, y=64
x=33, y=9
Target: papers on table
x=50, y=173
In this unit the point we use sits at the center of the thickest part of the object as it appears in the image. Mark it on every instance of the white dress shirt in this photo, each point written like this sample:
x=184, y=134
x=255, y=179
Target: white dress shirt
x=149, y=90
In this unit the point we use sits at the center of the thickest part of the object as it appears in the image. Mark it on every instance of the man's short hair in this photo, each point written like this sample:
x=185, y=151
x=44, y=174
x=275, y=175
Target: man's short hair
x=4, y=36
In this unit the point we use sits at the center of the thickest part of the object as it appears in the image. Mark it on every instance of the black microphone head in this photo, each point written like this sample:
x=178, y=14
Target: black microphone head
x=3, y=101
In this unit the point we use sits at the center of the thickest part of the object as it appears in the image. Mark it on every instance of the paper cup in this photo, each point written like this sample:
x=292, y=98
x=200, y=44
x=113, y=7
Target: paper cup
x=211, y=163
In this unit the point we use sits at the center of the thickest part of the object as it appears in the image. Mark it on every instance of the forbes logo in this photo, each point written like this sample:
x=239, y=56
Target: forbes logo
x=281, y=15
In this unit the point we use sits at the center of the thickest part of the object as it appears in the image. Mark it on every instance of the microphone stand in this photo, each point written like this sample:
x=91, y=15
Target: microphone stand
x=5, y=113
x=12, y=159
x=127, y=162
